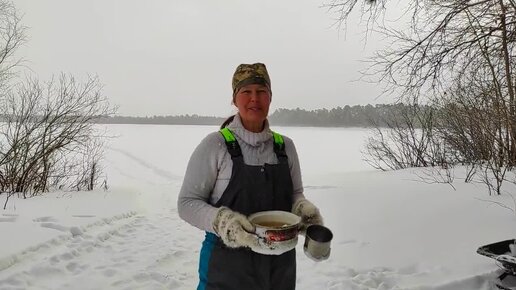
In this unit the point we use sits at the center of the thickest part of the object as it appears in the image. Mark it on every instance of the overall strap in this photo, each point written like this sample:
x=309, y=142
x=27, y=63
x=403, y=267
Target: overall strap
x=231, y=143
x=279, y=148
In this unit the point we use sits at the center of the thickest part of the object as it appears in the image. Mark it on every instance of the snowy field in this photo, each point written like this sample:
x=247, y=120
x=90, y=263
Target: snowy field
x=391, y=230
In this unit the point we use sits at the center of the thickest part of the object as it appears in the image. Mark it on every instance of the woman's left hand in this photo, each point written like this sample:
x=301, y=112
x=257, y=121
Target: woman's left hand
x=308, y=212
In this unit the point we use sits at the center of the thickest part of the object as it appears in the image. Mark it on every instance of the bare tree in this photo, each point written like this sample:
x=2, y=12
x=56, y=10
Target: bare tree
x=47, y=134
x=12, y=36
x=445, y=40
x=458, y=56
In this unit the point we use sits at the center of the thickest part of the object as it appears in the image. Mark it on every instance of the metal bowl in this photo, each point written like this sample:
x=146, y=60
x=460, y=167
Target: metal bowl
x=278, y=231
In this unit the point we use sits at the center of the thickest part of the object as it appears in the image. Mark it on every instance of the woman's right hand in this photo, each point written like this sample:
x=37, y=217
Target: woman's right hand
x=235, y=229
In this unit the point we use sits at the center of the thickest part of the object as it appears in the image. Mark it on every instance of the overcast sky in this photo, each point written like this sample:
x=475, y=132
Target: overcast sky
x=170, y=57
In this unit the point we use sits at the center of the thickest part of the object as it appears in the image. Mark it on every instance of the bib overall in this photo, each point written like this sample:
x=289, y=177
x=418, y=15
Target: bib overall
x=250, y=189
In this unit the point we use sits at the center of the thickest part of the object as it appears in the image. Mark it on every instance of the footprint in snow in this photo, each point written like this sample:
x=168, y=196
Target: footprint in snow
x=347, y=242
x=8, y=219
x=83, y=216
x=44, y=219
x=55, y=227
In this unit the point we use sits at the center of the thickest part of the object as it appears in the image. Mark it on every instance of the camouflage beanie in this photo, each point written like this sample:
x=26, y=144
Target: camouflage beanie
x=246, y=74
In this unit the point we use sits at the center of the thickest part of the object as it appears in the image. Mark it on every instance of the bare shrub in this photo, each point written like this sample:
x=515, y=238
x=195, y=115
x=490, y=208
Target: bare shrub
x=48, y=135
x=405, y=138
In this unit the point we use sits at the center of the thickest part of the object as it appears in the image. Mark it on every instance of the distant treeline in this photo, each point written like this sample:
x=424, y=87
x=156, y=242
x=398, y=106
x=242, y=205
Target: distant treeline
x=347, y=116
x=163, y=120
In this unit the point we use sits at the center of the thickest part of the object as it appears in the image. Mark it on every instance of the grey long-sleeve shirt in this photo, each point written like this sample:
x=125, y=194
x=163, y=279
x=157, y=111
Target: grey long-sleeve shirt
x=209, y=170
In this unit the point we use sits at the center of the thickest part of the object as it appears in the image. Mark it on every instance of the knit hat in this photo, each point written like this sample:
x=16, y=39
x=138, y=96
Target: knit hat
x=246, y=74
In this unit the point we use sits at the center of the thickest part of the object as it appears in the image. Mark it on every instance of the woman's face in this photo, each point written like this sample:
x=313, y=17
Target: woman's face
x=253, y=103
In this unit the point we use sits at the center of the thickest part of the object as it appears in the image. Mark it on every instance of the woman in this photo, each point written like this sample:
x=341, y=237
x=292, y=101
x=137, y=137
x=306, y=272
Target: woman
x=236, y=172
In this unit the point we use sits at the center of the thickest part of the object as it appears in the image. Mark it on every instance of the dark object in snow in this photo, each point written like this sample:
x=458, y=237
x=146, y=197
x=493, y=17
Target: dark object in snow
x=504, y=254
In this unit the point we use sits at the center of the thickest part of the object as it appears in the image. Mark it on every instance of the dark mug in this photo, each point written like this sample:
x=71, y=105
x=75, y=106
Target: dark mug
x=317, y=242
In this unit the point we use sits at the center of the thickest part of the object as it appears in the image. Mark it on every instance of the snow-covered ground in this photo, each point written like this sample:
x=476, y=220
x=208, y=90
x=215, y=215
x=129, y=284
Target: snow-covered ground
x=391, y=230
